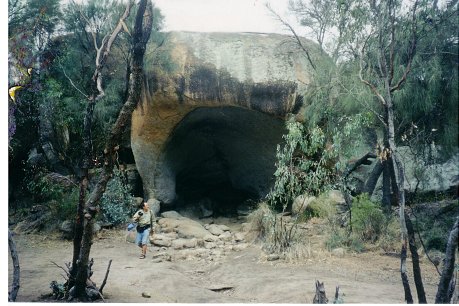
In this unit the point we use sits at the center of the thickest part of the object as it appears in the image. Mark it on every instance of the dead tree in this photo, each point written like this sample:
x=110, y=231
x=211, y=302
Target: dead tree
x=78, y=282
x=96, y=93
x=320, y=297
x=16, y=270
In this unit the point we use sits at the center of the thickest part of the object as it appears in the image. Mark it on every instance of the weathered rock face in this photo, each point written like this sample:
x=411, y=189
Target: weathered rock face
x=208, y=128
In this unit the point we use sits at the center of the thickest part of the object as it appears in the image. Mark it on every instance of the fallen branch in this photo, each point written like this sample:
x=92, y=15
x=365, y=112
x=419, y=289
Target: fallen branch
x=364, y=160
x=106, y=276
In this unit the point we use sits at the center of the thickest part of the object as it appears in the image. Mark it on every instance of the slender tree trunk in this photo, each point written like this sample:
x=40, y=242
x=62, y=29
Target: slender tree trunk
x=16, y=270
x=386, y=198
x=405, y=282
x=400, y=190
x=86, y=164
x=415, y=259
x=442, y=296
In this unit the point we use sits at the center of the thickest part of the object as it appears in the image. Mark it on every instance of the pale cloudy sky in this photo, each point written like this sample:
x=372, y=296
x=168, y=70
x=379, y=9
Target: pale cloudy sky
x=223, y=15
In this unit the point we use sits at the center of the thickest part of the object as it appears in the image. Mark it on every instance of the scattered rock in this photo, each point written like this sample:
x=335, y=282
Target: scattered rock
x=239, y=236
x=215, y=230
x=338, y=252
x=226, y=236
x=67, y=228
x=217, y=287
x=224, y=228
x=300, y=203
x=191, y=243
x=272, y=257
x=162, y=242
x=146, y=295
x=210, y=238
x=336, y=197
x=210, y=245
x=172, y=214
x=240, y=246
x=155, y=205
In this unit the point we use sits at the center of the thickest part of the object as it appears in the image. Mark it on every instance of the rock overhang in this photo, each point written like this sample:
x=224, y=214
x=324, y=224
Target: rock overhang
x=227, y=84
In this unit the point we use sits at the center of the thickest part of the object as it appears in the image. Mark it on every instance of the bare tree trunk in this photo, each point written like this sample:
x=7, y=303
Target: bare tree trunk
x=85, y=166
x=415, y=259
x=386, y=198
x=142, y=30
x=16, y=270
x=442, y=296
x=401, y=196
x=373, y=178
x=405, y=282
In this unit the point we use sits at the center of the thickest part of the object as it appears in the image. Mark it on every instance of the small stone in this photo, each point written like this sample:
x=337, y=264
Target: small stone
x=272, y=257
x=146, y=295
x=338, y=252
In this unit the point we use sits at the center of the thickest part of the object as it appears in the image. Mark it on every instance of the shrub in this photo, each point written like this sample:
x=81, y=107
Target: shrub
x=320, y=207
x=390, y=239
x=368, y=220
x=66, y=207
x=116, y=202
x=340, y=238
x=55, y=191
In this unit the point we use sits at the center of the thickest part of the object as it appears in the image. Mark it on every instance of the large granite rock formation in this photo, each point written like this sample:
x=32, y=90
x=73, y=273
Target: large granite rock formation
x=208, y=128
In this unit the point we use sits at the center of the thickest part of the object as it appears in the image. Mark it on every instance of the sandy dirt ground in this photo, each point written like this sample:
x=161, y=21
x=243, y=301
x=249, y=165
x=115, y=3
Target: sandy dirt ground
x=242, y=276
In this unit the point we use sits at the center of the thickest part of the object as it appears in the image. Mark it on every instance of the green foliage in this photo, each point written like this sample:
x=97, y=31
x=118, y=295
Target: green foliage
x=310, y=160
x=339, y=238
x=300, y=164
x=116, y=202
x=320, y=207
x=272, y=229
x=368, y=220
x=62, y=200
x=66, y=207
x=435, y=230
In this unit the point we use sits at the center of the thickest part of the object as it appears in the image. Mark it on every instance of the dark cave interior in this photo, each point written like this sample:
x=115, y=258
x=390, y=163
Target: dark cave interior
x=221, y=157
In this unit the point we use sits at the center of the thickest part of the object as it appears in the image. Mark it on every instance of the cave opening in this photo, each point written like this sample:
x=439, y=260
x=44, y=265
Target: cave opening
x=220, y=160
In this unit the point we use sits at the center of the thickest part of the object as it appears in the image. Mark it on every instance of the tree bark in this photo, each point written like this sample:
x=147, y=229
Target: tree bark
x=16, y=270
x=442, y=296
x=386, y=198
x=405, y=282
x=372, y=180
x=142, y=30
x=364, y=160
x=415, y=259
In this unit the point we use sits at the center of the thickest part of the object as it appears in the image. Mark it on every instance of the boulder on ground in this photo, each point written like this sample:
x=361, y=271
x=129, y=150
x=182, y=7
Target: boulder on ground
x=300, y=203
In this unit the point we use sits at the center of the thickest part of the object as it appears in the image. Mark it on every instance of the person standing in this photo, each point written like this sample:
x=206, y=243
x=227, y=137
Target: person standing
x=145, y=220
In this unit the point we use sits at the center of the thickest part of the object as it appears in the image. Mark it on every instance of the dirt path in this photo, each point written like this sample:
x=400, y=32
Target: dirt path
x=243, y=276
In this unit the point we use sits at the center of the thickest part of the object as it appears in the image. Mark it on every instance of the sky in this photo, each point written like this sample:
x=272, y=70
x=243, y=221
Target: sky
x=223, y=15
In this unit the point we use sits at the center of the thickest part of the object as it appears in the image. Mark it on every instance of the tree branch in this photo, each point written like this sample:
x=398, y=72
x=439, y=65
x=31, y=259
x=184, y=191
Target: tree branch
x=372, y=87
x=411, y=51
x=298, y=40
x=106, y=276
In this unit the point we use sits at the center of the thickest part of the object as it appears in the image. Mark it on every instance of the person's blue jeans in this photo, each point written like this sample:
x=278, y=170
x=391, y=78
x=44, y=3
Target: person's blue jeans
x=142, y=238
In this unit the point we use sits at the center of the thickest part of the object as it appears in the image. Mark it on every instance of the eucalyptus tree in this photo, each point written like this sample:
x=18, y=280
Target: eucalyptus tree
x=388, y=43
x=405, y=54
